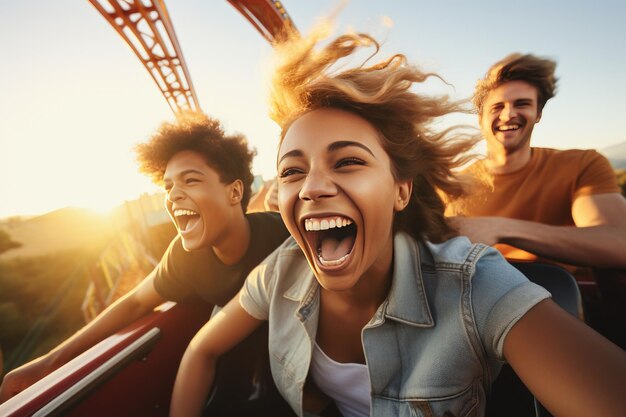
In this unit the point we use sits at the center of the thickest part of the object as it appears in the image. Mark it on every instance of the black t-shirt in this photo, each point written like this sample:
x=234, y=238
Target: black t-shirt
x=181, y=274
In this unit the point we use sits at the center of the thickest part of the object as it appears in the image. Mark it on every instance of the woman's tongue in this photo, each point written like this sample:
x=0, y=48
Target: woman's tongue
x=332, y=248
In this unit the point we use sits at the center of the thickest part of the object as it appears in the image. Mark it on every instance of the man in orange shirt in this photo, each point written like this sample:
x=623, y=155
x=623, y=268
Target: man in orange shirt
x=562, y=205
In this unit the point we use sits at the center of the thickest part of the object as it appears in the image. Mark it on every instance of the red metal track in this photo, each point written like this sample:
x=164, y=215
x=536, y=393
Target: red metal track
x=146, y=27
x=269, y=17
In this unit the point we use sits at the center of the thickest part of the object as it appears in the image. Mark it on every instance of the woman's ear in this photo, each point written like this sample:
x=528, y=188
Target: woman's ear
x=403, y=194
x=236, y=191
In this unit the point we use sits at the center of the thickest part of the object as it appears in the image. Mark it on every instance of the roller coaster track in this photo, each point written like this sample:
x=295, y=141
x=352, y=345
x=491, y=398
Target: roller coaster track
x=268, y=17
x=146, y=27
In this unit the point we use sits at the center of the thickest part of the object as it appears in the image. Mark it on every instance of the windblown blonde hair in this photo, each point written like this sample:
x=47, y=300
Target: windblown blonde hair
x=381, y=94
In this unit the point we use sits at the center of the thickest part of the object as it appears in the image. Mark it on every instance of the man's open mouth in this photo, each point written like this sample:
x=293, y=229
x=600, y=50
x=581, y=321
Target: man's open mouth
x=332, y=238
x=186, y=219
x=508, y=128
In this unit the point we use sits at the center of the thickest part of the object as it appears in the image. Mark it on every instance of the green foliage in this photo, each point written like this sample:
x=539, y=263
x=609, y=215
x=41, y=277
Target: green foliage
x=45, y=291
x=44, y=295
x=12, y=322
x=621, y=180
x=6, y=243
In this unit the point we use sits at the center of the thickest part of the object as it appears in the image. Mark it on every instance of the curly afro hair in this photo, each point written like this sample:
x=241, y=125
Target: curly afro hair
x=228, y=155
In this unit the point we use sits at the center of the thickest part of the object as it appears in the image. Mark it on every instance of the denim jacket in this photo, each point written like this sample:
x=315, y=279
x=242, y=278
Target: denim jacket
x=433, y=346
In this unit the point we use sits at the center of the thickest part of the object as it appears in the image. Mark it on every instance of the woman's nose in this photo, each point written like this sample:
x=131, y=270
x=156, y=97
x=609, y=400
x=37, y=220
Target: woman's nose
x=317, y=184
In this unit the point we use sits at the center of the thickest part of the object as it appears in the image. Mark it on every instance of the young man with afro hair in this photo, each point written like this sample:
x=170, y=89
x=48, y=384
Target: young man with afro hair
x=207, y=179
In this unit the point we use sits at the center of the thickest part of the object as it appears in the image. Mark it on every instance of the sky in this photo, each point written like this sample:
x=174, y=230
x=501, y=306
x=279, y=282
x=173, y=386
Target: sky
x=74, y=99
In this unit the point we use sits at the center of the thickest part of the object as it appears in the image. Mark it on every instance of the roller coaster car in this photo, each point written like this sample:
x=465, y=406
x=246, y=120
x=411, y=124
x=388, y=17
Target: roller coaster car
x=128, y=374
x=132, y=372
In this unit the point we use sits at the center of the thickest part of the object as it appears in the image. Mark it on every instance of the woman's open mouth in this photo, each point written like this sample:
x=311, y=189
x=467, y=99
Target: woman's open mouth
x=331, y=239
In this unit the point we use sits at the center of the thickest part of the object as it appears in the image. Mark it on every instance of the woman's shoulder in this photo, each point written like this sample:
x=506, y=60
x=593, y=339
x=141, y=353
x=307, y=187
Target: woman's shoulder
x=478, y=261
x=288, y=249
x=457, y=251
x=284, y=270
x=285, y=263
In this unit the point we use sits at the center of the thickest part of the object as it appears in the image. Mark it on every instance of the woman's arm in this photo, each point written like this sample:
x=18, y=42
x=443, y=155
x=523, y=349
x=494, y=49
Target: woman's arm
x=197, y=368
x=571, y=369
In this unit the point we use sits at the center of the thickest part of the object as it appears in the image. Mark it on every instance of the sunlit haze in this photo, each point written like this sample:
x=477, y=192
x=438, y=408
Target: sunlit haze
x=75, y=99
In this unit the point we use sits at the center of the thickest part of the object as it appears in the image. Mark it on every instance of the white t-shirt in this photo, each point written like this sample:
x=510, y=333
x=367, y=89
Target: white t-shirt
x=346, y=383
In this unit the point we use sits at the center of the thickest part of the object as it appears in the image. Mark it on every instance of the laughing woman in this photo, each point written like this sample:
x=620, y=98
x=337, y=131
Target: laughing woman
x=374, y=303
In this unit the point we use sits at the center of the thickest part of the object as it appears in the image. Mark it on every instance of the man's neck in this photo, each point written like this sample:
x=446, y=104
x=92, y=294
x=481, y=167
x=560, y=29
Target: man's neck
x=499, y=163
x=234, y=245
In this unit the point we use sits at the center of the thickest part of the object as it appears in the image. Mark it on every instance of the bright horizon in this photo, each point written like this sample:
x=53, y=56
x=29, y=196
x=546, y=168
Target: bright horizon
x=75, y=99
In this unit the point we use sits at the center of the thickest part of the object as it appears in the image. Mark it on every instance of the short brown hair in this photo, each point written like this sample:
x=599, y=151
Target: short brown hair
x=537, y=71
x=228, y=155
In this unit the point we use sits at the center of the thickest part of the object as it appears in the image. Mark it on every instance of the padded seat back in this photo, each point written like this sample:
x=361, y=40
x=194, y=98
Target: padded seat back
x=558, y=281
x=509, y=396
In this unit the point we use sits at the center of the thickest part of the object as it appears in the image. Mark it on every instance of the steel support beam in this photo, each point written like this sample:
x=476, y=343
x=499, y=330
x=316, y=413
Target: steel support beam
x=146, y=27
x=269, y=17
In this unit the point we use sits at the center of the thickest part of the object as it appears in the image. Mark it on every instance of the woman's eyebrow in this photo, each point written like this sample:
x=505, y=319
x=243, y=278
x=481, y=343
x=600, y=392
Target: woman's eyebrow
x=332, y=147
x=295, y=152
x=345, y=143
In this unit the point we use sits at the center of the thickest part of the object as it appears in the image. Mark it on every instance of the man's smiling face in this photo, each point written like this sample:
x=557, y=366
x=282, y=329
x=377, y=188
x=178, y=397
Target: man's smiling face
x=196, y=200
x=508, y=117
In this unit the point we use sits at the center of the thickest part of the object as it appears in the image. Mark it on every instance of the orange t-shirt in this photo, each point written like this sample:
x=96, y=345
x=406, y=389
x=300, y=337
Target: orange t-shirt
x=542, y=191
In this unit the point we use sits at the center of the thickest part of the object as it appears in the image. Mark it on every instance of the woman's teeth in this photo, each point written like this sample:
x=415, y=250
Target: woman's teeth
x=332, y=262
x=326, y=223
x=333, y=240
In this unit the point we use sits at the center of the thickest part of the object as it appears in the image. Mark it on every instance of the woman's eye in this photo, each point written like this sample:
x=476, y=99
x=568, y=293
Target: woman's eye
x=287, y=172
x=349, y=161
x=191, y=180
